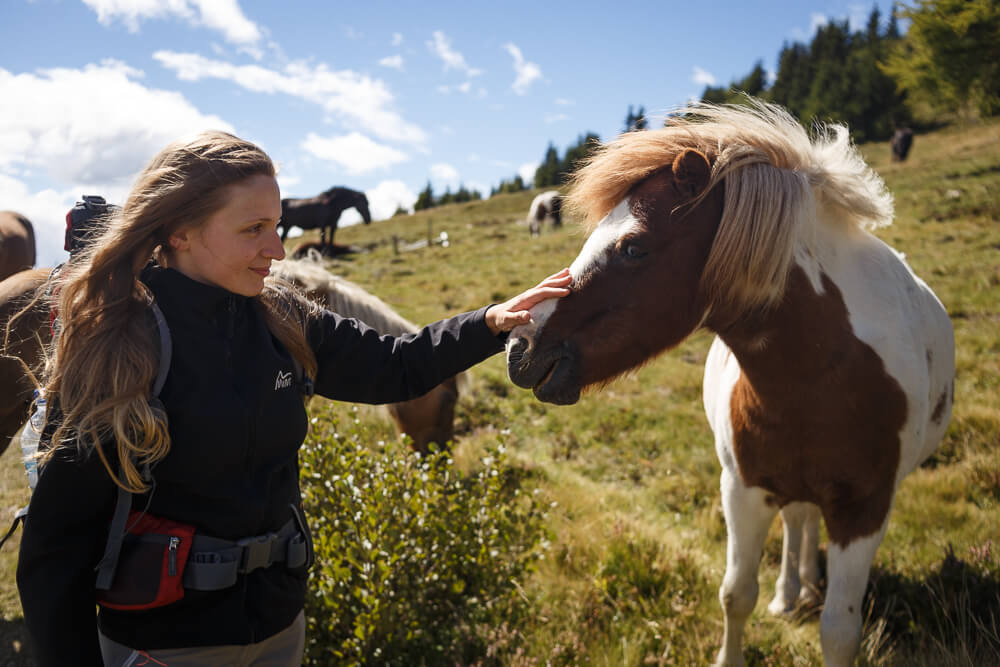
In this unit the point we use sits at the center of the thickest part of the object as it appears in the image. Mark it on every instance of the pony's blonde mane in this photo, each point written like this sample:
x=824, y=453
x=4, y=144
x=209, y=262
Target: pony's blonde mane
x=342, y=296
x=776, y=178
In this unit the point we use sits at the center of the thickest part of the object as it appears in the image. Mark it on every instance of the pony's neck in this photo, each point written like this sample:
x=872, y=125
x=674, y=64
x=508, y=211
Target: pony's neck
x=798, y=346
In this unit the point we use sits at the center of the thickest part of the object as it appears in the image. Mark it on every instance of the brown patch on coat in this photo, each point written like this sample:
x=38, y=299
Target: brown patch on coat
x=815, y=415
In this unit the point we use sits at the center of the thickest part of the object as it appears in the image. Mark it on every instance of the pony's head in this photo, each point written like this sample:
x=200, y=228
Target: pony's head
x=694, y=224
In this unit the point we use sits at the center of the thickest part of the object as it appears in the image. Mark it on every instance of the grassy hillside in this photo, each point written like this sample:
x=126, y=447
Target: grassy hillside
x=637, y=535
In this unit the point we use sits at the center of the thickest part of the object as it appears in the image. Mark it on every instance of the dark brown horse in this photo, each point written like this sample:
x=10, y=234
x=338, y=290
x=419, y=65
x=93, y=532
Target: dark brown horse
x=17, y=243
x=22, y=349
x=323, y=211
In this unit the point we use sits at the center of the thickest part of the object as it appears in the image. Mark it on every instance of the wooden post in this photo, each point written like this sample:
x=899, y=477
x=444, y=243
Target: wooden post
x=395, y=244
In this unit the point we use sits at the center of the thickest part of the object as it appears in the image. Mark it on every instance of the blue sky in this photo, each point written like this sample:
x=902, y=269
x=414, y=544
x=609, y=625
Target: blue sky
x=379, y=96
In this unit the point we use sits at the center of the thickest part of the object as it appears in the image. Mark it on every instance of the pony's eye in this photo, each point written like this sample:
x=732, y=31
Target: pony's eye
x=633, y=251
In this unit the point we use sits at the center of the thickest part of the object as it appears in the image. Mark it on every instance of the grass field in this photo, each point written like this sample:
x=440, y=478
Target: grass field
x=637, y=535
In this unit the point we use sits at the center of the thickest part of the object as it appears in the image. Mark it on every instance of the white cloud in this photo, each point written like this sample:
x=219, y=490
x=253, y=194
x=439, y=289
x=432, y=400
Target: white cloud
x=702, y=77
x=816, y=20
x=355, y=152
x=81, y=142
x=527, y=171
x=444, y=175
x=397, y=38
x=465, y=87
x=441, y=47
x=555, y=117
x=384, y=199
x=563, y=102
x=355, y=97
x=482, y=188
x=222, y=15
x=527, y=72
x=395, y=62
x=858, y=16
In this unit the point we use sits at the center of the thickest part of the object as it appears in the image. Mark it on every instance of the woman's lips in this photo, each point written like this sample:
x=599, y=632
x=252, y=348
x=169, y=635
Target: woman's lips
x=263, y=273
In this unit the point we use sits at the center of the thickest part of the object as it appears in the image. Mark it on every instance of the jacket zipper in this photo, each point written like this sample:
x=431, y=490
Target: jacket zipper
x=175, y=542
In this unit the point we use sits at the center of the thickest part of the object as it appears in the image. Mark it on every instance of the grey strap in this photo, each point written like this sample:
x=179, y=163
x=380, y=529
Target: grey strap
x=106, y=567
x=214, y=564
x=166, y=350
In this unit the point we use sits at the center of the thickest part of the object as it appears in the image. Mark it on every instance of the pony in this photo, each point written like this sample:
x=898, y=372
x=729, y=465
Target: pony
x=426, y=419
x=17, y=243
x=831, y=375
x=901, y=141
x=23, y=346
x=546, y=205
x=322, y=211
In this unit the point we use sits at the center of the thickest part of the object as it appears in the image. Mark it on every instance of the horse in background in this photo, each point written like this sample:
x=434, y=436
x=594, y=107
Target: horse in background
x=547, y=205
x=902, y=140
x=322, y=211
x=429, y=418
x=831, y=376
x=17, y=243
x=23, y=346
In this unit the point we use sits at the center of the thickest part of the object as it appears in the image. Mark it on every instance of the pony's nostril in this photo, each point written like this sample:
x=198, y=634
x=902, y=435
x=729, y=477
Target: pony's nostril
x=516, y=350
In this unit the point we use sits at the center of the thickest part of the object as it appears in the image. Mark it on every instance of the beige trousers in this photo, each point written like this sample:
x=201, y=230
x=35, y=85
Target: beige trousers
x=284, y=649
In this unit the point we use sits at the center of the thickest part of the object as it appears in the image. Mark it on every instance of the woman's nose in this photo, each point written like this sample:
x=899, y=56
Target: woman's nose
x=274, y=248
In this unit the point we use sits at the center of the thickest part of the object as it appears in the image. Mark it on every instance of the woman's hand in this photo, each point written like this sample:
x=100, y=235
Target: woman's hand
x=514, y=312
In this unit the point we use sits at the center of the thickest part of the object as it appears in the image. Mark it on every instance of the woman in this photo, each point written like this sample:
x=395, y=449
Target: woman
x=223, y=447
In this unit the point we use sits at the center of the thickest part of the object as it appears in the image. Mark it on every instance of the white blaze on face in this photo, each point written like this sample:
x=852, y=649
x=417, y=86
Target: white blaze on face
x=614, y=226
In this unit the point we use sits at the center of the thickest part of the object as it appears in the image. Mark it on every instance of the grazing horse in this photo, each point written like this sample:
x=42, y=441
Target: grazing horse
x=322, y=211
x=902, y=139
x=546, y=205
x=831, y=376
x=17, y=243
x=427, y=419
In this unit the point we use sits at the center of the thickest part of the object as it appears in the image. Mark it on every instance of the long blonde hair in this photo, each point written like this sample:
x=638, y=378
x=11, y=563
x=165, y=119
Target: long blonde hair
x=103, y=363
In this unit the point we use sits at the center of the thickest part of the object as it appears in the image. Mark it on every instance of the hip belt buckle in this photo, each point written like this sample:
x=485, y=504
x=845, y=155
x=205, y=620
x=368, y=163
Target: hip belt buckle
x=256, y=552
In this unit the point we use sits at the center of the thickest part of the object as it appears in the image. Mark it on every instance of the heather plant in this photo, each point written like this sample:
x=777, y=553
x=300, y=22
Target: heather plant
x=415, y=562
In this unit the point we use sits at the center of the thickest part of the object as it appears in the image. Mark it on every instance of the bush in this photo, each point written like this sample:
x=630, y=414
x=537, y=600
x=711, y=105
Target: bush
x=414, y=561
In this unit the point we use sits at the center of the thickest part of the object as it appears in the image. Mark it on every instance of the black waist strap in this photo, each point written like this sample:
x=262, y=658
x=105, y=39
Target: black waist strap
x=214, y=564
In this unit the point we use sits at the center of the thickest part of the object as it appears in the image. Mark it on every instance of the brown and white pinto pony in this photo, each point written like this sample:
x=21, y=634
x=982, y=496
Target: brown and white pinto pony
x=429, y=418
x=832, y=372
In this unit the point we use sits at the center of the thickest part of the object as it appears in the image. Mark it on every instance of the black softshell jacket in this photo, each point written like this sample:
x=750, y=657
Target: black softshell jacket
x=236, y=425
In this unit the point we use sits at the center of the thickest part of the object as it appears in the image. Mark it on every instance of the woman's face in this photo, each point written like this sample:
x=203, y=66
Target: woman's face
x=235, y=246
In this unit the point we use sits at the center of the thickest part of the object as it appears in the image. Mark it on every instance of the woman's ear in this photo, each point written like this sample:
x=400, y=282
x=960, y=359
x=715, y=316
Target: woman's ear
x=180, y=240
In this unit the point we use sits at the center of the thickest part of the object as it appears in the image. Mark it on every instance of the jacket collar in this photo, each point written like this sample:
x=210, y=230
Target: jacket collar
x=173, y=289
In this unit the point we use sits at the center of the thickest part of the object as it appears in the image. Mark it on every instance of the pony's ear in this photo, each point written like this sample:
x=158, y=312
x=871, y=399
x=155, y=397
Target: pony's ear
x=691, y=172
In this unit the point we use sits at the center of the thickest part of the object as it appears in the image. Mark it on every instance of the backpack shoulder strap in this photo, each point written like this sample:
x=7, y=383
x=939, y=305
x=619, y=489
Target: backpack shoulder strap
x=116, y=532
x=166, y=351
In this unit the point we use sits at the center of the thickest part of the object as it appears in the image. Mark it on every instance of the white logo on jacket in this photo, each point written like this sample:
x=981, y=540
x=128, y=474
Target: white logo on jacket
x=283, y=380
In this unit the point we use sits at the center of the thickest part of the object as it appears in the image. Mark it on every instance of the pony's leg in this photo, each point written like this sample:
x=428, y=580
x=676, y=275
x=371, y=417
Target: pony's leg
x=747, y=518
x=786, y=589
x=809, y=593
x=847, y=575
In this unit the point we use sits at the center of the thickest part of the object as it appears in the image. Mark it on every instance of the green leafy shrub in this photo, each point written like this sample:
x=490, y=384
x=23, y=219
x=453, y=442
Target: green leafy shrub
x=414, y=561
